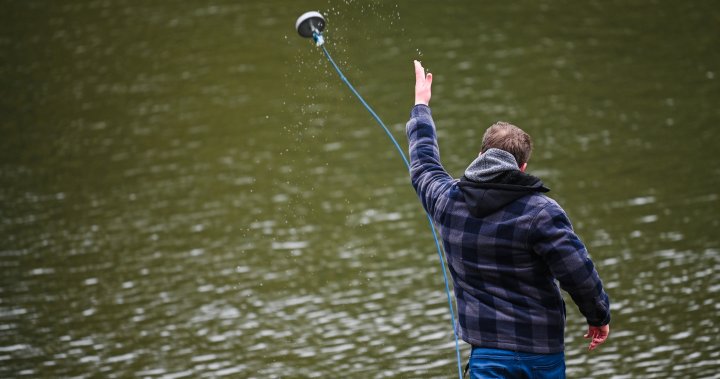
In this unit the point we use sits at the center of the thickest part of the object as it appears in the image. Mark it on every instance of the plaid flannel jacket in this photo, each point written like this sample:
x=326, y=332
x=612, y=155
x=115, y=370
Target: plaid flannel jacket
x=505, y=265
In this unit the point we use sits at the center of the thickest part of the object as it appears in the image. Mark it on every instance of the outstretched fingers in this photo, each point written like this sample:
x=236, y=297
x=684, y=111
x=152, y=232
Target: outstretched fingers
x=419, y=71
x=423, y=84
x=597, y=335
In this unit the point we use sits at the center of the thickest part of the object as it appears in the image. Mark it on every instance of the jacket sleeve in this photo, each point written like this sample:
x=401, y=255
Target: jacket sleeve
x=427, y=174
x=553, y=238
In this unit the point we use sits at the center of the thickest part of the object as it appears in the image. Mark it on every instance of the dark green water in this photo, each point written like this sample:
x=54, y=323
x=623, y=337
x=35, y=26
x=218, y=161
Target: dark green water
x=188, y=190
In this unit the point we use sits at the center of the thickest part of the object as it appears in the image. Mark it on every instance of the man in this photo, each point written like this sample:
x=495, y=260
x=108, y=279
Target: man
x=506, y=245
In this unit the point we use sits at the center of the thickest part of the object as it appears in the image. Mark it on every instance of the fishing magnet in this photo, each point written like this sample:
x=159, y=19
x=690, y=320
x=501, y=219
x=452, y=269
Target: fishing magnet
x=310, y=25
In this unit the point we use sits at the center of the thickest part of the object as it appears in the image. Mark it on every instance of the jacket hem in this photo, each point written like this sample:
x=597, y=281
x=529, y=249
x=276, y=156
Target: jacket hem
x=516, y=347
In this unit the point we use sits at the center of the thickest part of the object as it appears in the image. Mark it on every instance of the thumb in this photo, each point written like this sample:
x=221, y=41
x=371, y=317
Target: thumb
x=428, y=79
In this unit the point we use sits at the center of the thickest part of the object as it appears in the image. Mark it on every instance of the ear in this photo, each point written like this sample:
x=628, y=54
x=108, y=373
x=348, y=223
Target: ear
x=523, y=167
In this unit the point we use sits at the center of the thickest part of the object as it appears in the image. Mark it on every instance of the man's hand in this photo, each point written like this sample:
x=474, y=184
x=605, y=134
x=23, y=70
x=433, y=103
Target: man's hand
x=597, y=335
x=422, y=85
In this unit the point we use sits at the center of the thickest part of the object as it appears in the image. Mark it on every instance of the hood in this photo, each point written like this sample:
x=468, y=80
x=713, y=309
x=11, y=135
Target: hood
x=490, y=164
x=493, y=181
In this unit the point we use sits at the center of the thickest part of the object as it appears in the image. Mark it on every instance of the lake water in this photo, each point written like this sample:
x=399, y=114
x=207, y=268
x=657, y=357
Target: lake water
x=188, y=190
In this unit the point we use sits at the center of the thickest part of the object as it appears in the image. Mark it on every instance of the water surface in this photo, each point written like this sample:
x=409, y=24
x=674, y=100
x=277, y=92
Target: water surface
x=188, y=190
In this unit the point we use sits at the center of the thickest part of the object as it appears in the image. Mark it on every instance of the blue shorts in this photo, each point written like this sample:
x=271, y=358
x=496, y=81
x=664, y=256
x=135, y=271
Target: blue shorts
x=495, y=363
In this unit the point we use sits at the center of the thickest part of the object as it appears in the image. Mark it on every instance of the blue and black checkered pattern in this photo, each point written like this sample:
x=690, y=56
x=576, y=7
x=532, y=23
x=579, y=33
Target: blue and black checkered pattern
x=505, y=265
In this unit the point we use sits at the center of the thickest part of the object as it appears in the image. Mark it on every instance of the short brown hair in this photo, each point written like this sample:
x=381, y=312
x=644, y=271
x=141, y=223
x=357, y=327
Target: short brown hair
x=505, y=136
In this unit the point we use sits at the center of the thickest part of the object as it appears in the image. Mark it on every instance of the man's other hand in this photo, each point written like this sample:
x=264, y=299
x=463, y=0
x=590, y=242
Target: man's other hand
x=422, y=85
x=597, y=335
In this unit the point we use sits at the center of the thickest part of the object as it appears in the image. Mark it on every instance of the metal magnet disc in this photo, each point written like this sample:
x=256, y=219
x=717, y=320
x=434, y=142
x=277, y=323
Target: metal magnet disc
x=307, y=21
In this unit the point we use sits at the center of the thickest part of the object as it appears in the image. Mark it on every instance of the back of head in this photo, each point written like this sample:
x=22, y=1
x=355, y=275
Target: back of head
x=508, y=137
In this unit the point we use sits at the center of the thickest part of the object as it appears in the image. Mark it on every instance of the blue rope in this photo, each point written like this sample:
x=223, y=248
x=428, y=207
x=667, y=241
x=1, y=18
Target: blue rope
x=430, y=222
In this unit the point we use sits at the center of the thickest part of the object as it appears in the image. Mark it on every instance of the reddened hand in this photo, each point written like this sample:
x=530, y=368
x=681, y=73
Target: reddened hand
x=422, y=85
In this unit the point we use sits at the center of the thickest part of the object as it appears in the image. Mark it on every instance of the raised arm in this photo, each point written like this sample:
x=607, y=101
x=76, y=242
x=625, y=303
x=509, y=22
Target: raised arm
x=428, y=177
